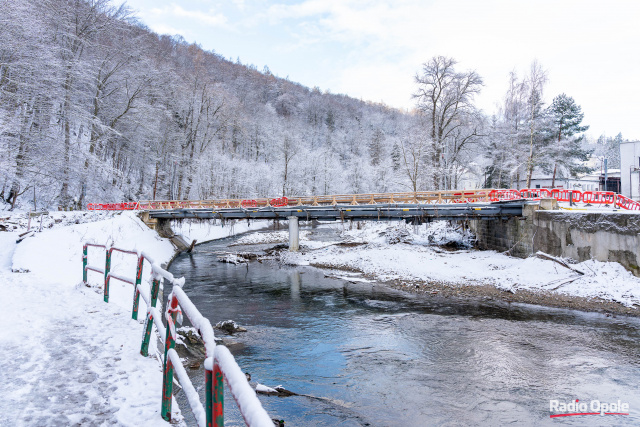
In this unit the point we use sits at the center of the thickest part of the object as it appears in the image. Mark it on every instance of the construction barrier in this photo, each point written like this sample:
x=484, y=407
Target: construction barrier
x=627, y=203
x=278, y=203
x=599, y=197
x=418, y=197
x=219, y=364
x=502, y=195
x=563, y=195
x=249, y=204
x=127, y=206
x=534, y=193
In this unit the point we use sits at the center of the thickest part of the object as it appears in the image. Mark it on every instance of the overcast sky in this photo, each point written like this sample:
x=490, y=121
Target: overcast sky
x=371, y=49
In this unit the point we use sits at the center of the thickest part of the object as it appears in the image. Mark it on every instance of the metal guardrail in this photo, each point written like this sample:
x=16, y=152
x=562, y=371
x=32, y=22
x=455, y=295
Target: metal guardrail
x=219, y=363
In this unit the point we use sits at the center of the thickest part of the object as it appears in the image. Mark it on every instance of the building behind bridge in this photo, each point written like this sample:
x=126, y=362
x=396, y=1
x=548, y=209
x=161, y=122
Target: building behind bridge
x=593, y=181
x=630, y=169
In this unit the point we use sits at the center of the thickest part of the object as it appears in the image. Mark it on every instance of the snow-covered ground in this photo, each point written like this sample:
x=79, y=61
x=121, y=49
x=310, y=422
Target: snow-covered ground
x=401, y=252
x=68, y=357
x=271, y=237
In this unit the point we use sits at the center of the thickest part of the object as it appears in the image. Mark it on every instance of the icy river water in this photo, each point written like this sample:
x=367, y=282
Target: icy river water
x=371, y=356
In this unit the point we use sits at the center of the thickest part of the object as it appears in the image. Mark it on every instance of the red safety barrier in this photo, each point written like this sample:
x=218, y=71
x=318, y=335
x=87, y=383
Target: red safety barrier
x=599, y=197
x=627, y=203
x=126, y=206
x=249, y=204
x=562, y=195
x=499, y=195
x=534, y=193
x=278, y=203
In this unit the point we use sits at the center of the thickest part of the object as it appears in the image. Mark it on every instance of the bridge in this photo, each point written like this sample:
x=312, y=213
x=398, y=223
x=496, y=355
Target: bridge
x=415, y=213
x=413, y=207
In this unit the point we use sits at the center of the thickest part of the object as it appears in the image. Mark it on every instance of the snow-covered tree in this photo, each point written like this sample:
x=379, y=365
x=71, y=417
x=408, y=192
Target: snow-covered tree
x=445, y=96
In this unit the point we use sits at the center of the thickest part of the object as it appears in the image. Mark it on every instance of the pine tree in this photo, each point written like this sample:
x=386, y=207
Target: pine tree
x=566, y=117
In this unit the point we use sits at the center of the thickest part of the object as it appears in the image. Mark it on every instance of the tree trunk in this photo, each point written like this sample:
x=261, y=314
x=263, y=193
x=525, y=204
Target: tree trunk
x=92, y=147
x=155, y=181
x=64, y=192
x=190, y=168
x=286, y=173
x=530, y=162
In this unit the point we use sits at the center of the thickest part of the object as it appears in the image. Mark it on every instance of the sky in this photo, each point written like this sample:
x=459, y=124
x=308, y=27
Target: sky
x=372, y=49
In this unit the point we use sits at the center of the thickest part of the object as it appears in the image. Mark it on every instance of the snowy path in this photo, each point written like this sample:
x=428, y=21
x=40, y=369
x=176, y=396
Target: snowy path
x=69, y=358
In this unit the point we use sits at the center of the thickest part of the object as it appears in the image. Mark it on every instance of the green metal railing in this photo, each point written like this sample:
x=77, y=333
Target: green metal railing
x=219, y=363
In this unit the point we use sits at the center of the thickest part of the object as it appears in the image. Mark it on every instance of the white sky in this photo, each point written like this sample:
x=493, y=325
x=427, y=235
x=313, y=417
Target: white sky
x=371, y=49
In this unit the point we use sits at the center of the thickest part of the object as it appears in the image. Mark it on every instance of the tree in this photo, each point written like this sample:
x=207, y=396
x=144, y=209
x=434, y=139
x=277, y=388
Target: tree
x=414, y=153
x=445, y=97
x=609, y=148
x=535, y=82
x=566, y=117
x=512, y=130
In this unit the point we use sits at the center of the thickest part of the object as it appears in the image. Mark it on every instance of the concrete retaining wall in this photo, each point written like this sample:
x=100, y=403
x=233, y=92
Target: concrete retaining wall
x=570, y=234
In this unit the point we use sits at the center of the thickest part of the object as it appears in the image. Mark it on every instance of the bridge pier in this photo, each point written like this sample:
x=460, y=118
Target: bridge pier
x=294, y=234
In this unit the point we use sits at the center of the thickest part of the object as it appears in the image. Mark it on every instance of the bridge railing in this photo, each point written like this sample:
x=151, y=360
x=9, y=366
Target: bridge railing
x=334, y=199
x=422, y=197
x=219, y=363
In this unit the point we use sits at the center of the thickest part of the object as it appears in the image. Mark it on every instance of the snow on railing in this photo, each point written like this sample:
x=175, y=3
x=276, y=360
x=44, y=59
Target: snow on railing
x=219, y=363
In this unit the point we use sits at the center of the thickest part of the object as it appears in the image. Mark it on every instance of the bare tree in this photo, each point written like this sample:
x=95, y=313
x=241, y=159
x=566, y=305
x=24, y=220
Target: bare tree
x=535, y=82
x=444, y=96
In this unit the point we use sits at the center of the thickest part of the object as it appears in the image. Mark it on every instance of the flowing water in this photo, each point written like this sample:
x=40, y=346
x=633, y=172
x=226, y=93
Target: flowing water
x=366, y=355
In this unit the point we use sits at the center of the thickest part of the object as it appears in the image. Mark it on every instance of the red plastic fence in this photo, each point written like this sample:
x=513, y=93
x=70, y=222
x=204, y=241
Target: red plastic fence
x=599, y=197
x=561, y=195
x=499, y=195
x=249, y=204
x=627, y=203
x=534, y=193
x=126, y=206
x=278, y=203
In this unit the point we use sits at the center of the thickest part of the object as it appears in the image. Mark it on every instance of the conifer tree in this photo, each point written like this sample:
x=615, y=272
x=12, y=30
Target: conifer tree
x=566, y=118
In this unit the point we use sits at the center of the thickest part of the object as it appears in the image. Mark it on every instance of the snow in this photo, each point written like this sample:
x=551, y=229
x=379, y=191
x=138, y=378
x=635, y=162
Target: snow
x=232, y=259
x=68, y=357
x=203, y=231
x=250, y=406
x=192, y=395
x=198, y=321
x=271, y=237
x=417, y=261
x=261, y=388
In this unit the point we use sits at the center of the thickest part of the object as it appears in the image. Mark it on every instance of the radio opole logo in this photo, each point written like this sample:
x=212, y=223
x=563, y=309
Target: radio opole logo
x=594, y=407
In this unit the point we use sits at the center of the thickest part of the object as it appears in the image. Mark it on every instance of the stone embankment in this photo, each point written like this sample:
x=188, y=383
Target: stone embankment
x=579, y=235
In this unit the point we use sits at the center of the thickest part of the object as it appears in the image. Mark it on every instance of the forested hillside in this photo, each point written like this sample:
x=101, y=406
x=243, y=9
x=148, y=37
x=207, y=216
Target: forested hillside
x=95, y=107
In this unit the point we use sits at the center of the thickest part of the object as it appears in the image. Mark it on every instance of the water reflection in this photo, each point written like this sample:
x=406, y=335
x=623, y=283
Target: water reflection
x=372, y=356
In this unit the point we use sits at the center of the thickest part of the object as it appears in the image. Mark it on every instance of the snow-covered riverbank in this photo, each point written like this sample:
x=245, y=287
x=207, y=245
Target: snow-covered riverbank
x=69, y=358
x=405, y=257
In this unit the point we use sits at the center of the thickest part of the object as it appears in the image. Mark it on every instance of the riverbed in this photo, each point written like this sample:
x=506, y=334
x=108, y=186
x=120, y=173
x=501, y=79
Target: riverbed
x=365, y=354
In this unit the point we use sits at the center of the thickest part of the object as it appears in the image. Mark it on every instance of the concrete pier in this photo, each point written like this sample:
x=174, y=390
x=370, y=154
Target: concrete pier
x=294, y=234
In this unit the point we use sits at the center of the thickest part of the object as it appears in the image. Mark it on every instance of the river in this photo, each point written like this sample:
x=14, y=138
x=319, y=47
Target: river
x=367, y=355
